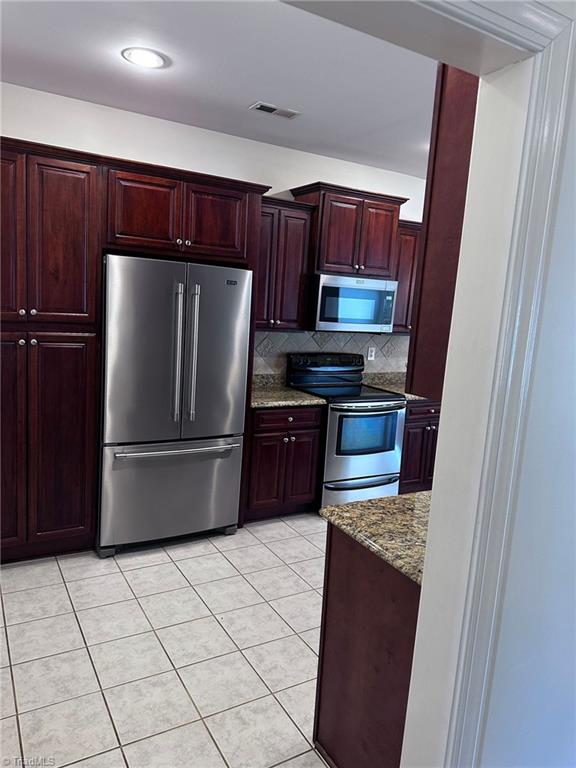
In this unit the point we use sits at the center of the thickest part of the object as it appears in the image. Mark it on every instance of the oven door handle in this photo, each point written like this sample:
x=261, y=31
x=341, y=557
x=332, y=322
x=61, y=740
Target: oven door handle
x=358, y=485
x=396, y=405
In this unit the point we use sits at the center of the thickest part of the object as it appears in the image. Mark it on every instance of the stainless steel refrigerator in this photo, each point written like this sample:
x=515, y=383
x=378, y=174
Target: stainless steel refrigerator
x=175, y=367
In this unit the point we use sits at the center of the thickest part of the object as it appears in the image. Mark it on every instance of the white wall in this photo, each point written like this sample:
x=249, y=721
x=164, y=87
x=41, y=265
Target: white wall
x=531, y=717
x=472, y=358
x=51, y=119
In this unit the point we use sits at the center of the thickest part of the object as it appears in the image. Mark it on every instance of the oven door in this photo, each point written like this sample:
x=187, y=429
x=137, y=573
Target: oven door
x=355, y=304
x=364, y=440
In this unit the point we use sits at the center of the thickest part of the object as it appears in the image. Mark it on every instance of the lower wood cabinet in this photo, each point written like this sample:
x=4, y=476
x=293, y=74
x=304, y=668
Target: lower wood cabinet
x=284, y=469
x=419, y=447
x=49, y=442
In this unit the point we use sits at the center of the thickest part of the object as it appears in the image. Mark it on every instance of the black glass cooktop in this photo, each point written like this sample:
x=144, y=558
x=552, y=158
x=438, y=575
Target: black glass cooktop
x=346, y=392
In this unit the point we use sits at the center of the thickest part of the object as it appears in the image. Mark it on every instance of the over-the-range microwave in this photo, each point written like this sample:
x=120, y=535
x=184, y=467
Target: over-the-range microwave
x=355, y=304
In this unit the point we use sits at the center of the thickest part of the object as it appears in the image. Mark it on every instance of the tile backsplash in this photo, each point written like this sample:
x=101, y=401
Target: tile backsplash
x=391, y=350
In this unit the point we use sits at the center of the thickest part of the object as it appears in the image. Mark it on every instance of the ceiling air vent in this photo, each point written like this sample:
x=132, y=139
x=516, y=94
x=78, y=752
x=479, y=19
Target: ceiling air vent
x=272, y=109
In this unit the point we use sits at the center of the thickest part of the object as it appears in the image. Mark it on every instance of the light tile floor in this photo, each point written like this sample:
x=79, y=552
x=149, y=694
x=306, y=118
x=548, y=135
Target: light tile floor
x=200, y=653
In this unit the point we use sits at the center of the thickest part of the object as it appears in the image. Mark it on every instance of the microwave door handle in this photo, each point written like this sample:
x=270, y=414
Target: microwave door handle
x=193, y=370
x=178, y=350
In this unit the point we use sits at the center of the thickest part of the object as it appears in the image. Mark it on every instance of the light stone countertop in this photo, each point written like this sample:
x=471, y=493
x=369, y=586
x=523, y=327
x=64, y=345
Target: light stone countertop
x=394, y=528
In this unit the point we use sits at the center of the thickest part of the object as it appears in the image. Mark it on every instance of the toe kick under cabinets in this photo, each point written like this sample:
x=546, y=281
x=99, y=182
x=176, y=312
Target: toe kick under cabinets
x=175, y=367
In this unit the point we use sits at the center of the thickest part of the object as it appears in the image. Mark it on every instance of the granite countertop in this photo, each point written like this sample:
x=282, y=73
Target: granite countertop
x=269, y=390
x=393, y=527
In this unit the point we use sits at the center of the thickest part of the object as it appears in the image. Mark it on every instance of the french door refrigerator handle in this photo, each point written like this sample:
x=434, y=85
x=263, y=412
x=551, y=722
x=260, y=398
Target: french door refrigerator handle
x=193, y=372
x=178, y=356
x=178, y=452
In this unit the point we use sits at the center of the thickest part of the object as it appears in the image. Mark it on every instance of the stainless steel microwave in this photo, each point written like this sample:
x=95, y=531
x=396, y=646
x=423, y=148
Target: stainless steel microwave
x=355, y=304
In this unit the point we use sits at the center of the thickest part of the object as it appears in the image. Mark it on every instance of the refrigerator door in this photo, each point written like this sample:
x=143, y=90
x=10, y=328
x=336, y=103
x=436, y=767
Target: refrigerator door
x=216, y=360
x=159, y=491
x=143, y=367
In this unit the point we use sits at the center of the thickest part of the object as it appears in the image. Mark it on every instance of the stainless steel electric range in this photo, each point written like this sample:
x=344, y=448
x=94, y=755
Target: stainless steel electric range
x=365, y=426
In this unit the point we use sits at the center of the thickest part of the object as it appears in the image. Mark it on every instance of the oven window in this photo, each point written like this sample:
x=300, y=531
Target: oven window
x=363, y=434
x=359, y=306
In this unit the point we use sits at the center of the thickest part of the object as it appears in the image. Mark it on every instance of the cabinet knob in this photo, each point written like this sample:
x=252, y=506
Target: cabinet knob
x=271, y=322
x=356, y=266
x=433, y=428
x=21, y=342
x=292, y=438
x=277, y=322
x=409, y=327
x=179, y=241
x=33, y=311
x=33, y=342
x=21, y=312
x=428, y=428
x=362, y=266
x=188, y=242
x=285, y=439
x=290, y=419
x=432, y=410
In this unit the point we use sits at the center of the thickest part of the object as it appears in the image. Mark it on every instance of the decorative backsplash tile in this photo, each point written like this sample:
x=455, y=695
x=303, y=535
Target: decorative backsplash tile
x=270, y=349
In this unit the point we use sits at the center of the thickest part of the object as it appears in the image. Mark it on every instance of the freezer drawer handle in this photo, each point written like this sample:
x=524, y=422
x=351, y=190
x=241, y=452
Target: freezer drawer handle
x=179, y=452
x=195, y=295
x=178, y=348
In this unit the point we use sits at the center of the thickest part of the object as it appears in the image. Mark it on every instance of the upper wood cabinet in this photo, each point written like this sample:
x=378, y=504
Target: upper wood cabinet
x=144, y=210
x=63, y=240
x=168, y=214
x=407, y=248
x=13, y=236
x=282, y=268
x=355, y=232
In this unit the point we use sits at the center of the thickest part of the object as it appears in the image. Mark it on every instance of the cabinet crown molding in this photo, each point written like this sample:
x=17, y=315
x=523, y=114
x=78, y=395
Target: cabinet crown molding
x=322, y=186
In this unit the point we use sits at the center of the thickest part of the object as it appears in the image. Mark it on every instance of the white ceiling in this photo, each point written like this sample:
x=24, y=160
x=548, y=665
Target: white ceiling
x=361, y=98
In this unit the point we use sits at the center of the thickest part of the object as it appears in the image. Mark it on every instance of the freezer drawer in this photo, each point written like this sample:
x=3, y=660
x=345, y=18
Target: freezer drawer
x=168, y=489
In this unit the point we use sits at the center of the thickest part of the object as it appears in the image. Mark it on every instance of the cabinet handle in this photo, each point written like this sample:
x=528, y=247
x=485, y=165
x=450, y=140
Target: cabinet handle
x=33, y=311
x=188, y=242
x=21, y=312
x=33, y=342
x=284, y=439
x=290, y=419
x=21, y=342
x=179, y=241
x=292, y=438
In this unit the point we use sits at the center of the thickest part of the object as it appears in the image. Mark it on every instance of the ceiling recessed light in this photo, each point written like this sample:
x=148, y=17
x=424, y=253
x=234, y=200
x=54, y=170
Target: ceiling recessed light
x=146, y=57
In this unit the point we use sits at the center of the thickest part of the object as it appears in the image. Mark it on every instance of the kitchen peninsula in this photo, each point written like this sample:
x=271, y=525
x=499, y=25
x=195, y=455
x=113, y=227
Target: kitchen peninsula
x=374, y=560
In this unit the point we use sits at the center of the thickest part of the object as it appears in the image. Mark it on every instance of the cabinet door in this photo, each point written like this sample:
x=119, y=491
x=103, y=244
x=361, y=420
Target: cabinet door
x=292, y=269
x=378, y=253
x=430, y=459
x=63, y=240
x=13, y=434
x=265, y=268
x=340, y=234
x=414, y=454
x=13, y=236
x=408, y=242
x=267, y=470
x=215, y=222
x=62, y=435
x=302, y=467
x=144, y=211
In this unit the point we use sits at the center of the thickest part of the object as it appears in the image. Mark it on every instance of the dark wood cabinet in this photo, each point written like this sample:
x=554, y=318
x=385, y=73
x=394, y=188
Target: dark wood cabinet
x=284, y=468
x=13, y=366
x=355, y=232
x=49, y=415
x=369, y=617
x=341, y=222
x=144, y=210
x=444, y=202
x=62, y=432
x=13, y=236
x=63, y=240
x=419, y=447
x=282, y=269
x=169, y=214
x=408, y=243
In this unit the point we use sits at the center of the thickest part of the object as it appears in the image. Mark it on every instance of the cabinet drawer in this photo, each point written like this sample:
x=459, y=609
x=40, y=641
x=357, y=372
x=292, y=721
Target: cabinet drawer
x=424, y=409
x=284, y=418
